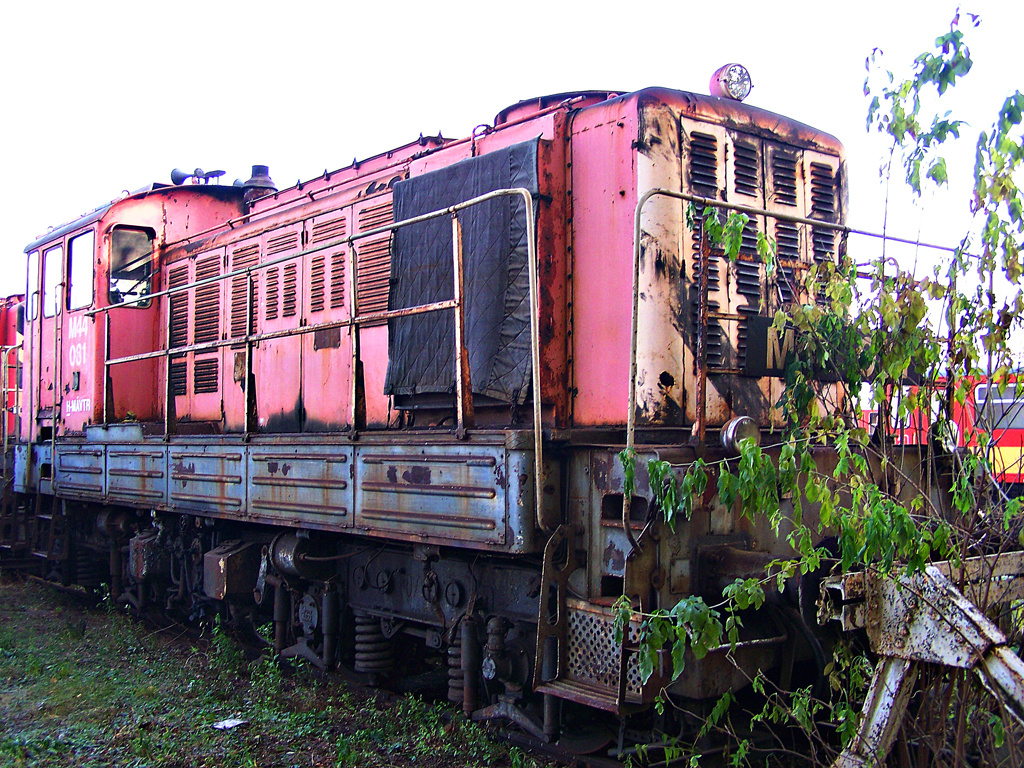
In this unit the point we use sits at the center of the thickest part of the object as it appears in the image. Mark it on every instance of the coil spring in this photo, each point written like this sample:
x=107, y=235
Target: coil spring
x=87, y=575
x=373, y=650
x=456, y=677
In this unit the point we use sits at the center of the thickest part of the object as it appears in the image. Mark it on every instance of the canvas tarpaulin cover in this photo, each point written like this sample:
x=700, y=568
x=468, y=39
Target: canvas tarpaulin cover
x=421, y=348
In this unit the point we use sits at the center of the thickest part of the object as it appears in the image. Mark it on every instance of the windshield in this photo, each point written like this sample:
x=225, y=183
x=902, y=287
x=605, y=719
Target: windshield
x=131, y=265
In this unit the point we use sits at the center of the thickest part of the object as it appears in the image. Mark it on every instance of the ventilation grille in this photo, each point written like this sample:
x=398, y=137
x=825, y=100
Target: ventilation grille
x=207, y=376
x=338, y=280
x=746, y=176
x=715, y=341
x=704, y=164
x=374, y=270
x=374, y=216
x=178, y=307
x=748, y=279
x=289, y=303
x=787, y=238
x=784, y=178
x=273, y=293
x=286, y=241
x=240, y=259
x=179, y=374
x=326, y=231
x=823, y=192
x=787, y=281
x=317, y=280
x=742, y=335
x=207, y=320
x=823, y=244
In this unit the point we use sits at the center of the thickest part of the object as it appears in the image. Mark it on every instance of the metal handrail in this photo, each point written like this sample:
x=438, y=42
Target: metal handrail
x=5, y=391
x=702, y=329
x=463, y=384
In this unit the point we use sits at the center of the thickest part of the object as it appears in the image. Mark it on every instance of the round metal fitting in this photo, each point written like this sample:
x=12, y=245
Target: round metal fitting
x=740, y=428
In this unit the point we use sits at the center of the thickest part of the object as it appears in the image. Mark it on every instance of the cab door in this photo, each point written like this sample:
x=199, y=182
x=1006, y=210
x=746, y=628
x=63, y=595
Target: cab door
x=79, y=394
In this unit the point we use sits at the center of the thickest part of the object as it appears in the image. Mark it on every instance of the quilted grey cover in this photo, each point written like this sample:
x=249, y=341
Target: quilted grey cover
x=421, y=348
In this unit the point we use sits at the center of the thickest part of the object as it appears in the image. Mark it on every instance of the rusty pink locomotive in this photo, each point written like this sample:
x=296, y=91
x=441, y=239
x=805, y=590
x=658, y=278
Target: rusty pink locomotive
x=384, y=406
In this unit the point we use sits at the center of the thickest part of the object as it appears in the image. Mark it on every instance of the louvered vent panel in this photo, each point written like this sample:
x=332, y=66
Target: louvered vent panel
x=748, y=279
x=289, y=302
x=273, y=293
x=179, y=373
x=178, y=306
x=823, y=243
x=374, y=270
x=317, y=279
x=326, y=231
x=207, y=304
x=207, y=376
x=704, y=164
x=746, y=176
x=823, y=191
x=742, y=335
x=338, y=280
x=715, y=337
x=286, y=241
x=784, y=178
x=379, y=215
x=240, y=259
x=823, y=205
x=713, y=258
x=788, y=286
x=787, y=238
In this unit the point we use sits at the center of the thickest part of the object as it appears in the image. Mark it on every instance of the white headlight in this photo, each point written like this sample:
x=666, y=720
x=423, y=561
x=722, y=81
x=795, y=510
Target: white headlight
x=739, y=428
x=731, y=82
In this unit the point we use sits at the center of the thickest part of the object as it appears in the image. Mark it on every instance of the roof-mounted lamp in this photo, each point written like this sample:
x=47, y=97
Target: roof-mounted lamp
x=731, y=82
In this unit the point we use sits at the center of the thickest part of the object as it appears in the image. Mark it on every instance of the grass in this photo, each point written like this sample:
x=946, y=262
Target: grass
x=92, y=687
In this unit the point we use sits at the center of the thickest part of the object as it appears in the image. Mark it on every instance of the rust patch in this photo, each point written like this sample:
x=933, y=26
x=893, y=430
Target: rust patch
x=272, y=467
x=392, y=474
x=417, y=475
x=600, y=470
x=285, y=469
x=614, y=559
x=499, y=477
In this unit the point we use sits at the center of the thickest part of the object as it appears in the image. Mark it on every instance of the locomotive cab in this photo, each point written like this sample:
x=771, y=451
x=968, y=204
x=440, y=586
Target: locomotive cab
x=88, y=289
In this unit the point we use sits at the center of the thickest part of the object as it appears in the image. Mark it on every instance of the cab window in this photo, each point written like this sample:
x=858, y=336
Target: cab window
x=995, y=411
x=80, y=263
x=131, y=265
x=32, y=291
x=51, y=279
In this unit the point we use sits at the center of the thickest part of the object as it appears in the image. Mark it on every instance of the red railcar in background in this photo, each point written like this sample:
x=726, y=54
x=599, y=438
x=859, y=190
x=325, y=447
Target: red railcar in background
x=988, y=422
x=389, y=401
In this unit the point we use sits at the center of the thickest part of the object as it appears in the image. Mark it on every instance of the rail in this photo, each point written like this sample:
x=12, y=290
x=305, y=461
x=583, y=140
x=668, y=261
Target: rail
x=463, y=387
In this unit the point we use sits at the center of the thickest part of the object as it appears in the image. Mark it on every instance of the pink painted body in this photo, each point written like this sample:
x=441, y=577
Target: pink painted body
x=596, y=154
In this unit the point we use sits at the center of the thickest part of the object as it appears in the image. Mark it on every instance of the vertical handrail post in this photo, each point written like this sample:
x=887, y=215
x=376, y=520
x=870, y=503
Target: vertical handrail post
x=249, y=419
x=354, y=330
x=463, y=382
x=169, y=413
x=106, y=367
x=535, y=383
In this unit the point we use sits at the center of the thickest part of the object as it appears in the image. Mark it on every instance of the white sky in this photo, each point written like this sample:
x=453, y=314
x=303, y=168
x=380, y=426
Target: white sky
x=106, y=96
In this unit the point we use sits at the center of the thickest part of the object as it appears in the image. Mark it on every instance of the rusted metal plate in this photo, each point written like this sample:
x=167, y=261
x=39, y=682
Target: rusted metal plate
x=79, y=471
x=207, y=478
x=137, y=474
x=444, y=493
x=307, y=485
